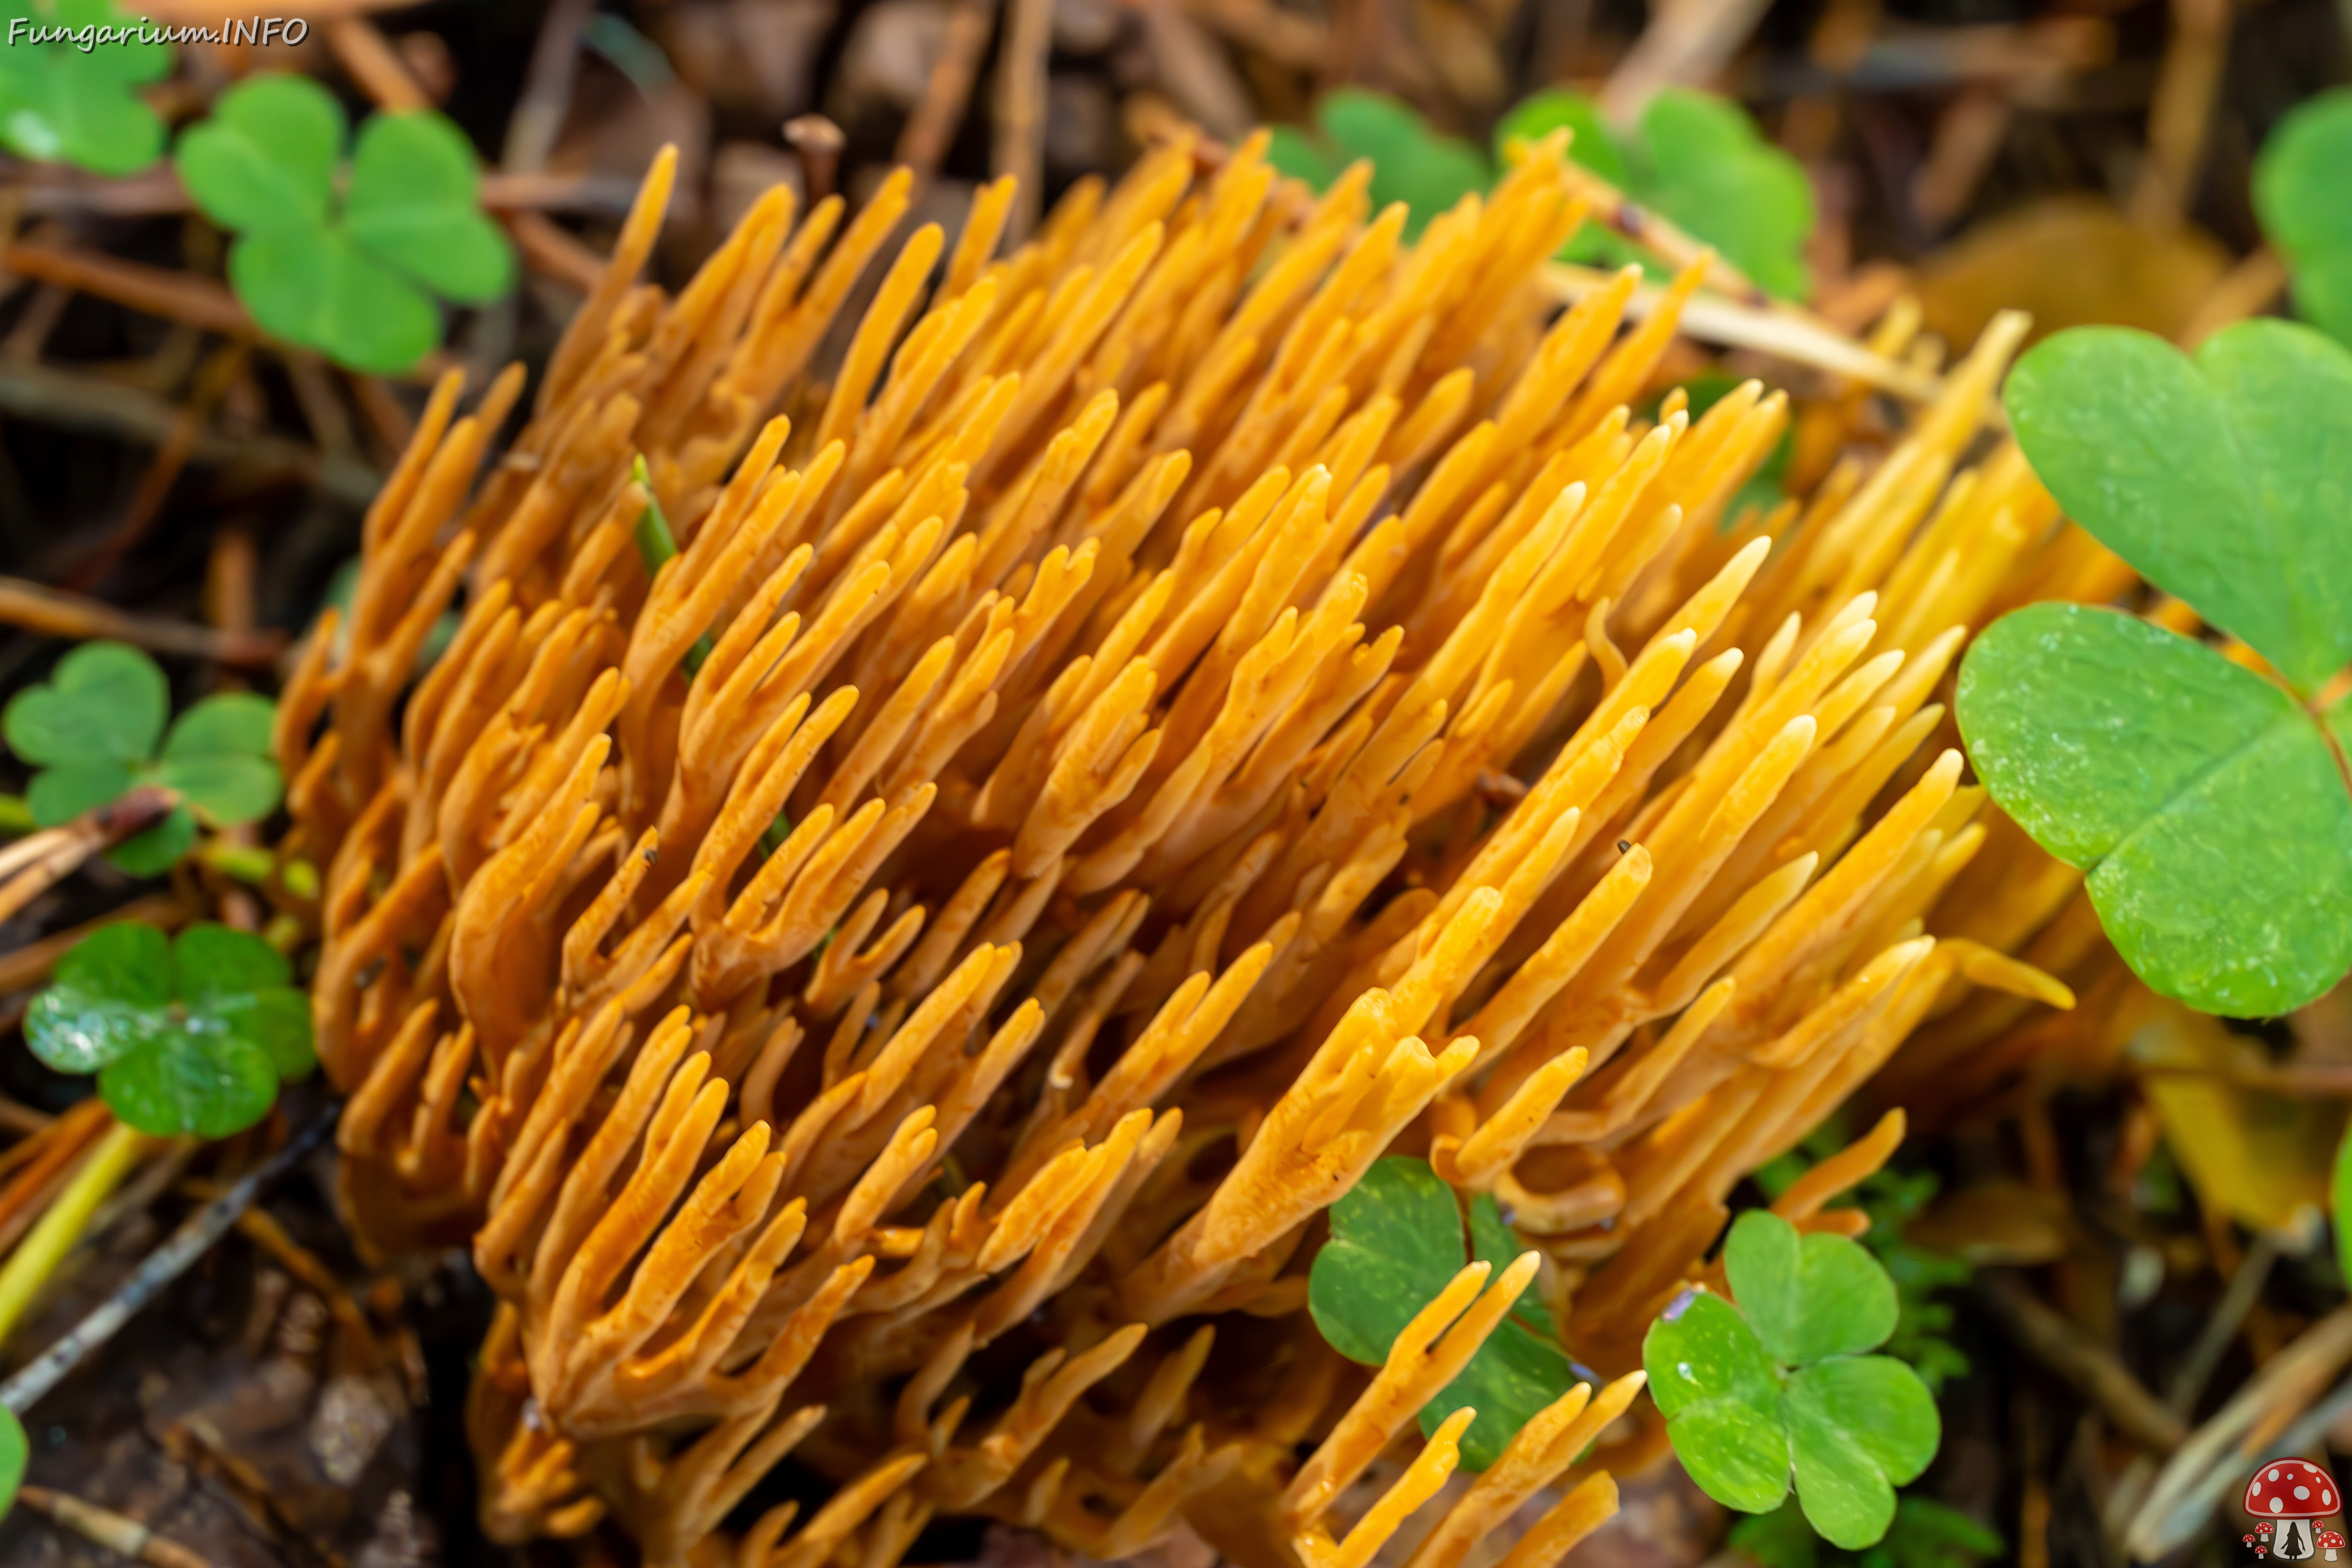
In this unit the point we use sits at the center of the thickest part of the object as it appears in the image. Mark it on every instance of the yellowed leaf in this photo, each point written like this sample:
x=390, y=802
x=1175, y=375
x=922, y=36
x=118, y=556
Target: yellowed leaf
x=2254, y=1155
x=2072, y=261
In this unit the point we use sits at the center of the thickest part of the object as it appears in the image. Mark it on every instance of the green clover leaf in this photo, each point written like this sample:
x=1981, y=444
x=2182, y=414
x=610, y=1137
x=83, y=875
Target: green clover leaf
x=1396, y=1242
x=265, y=159
x=15, y=1450
x=92, y=731
x=1808, y=1297
x=415, y=201
x=355, y=279
x=1700, y=163
x=2223, y=479
x=1776, y=1390
x=2305, y=204
x=106, y=702
x=191, y=1036
x=1720, y=1395
x=1411, y=163
x=2205, y=802
x=61, y=101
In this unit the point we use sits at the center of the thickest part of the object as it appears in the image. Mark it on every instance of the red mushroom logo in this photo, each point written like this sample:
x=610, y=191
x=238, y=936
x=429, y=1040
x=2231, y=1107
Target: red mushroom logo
x=2290, y=1494
x=2331, y=1541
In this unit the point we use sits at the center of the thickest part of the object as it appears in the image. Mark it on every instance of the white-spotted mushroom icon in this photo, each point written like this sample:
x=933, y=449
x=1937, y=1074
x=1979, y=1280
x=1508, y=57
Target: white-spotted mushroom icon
x=2292, y=1493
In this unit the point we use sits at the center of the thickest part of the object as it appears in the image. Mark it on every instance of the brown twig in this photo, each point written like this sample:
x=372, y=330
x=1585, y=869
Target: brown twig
x=223, y=368
x=124, y=1537
x=1282, y=36
x=550, y=250
x=931, y=128
x=55, y=613
x=35, y=864
x=818, y=142
x=78, y=402
x=2089, y=1366
x=156, y=291
x=2213, y=1458
x=1686, y=43
x=49, y=193
x=2245, y=290
x=1020, y=140
x=2181, y=112
x=538, y=116
x=373, y=65
x=1732, y=324
x=194, y=1237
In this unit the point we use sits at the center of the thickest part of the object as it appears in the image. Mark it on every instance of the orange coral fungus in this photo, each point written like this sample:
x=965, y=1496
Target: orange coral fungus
x=897, y=987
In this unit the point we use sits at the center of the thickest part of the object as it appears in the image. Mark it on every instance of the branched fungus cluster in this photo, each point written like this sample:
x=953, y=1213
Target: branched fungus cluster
x=894, y=978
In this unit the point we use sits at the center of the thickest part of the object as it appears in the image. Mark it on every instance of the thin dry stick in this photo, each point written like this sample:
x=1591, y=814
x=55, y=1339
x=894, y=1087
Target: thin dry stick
x=123, y=1536
x=34, y=865
x=158, y=193
x=223, y=369
x=56, y=613
x=1687, y=42
x=1730, y=324
x=2221, y=1326
x=1020, y=149
x=2181, y=112
x=2246, y=290
x=371, y=62
x=551, y=250
x=547, y=91
x=931, y=129
x=166, y=1263
x=67, y=399
x=1286, y=38
x=156, y=291
x=2089, y=1366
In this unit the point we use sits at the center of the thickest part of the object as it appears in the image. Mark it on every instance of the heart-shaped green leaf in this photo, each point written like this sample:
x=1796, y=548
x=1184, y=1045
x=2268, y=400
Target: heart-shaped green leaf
x=59, y=795
x=2306, y=204
x=265, y=160
x=2339, y=1197
x=1411, y=163
x=1396, y=1243
x=316, y=287
x=1293, y=153
x=111, y=995
x=106, y=702
x=1715, y=176
x=1720, y=1393
x=416, y=205
x=279, y=1021
x=157, y=850
x=1766, y=1392
x=1859, y=1427
x=184, y=1082
x=60, y=102
x=1807, y=1297
x=2224, y=480
x=212, y=963
x=1493, y=1243
x=2205, y=804
x=15, y=1452
x=191, y=1036
x=1591, y=141
x=217, y=756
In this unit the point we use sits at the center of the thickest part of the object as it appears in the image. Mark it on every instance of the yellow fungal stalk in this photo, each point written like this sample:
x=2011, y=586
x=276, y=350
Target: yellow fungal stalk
x=921, y=1039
